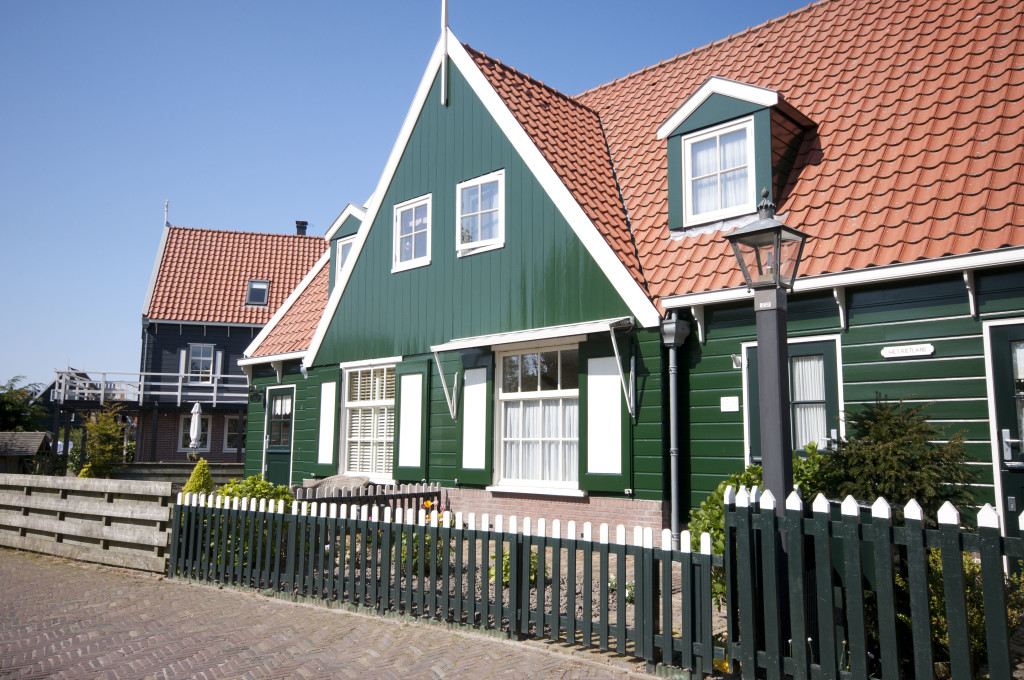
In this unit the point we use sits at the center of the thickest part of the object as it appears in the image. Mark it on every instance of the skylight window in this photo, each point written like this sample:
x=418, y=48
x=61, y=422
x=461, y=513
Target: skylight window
x=258, y=293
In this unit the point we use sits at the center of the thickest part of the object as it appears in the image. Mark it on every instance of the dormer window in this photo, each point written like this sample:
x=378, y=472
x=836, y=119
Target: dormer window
x=258, y=293
x=344, y=247
x=412, y=234
x=718, y=169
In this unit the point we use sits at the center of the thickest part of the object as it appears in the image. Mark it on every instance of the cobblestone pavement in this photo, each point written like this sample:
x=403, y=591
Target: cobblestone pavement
x=65, y=619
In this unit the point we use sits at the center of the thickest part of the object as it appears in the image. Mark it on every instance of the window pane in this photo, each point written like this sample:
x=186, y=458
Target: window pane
x=470, y=230
x=421, y=244
x=531, y=370
x=510, y=462
x=570, y=369
x=489, y=196
x=808, y=424
x=551, y=462
x=405, y=249
x=420, y=222
x=705, y=195
x=488, y=226
x=513, y=419
x=531, y=419
x=703, y=159
x=470, y=200
x=552, y=418
x=405, y=222
x=530, y=460
x=734, y=188
x=343, y=251
x=510, y=373
x=549, y=370
x=734, y=149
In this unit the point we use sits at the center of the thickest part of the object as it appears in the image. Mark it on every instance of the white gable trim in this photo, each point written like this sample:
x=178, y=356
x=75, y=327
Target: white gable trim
x=272, y=358
x=303, y=284
x=623, y=282
x=895, y=272
x=351, y=210
x=156, y=269
x=717, y=85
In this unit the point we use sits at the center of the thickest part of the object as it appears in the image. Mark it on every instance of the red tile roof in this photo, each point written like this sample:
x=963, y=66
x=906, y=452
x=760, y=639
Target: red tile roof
x=204, y=273
x=294, y=330
x=918, y=151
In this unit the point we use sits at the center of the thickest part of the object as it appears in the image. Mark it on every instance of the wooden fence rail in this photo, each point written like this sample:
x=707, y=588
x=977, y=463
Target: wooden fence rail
x=527, y=578
x=108, y=521
x=817, y=593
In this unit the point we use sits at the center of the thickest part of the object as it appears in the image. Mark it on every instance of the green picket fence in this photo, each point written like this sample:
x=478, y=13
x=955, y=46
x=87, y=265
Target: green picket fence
x=527, y=579
x=843, y=592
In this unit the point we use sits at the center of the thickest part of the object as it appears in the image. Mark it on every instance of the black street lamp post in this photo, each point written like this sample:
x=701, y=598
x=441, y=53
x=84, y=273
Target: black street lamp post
x=769, y=254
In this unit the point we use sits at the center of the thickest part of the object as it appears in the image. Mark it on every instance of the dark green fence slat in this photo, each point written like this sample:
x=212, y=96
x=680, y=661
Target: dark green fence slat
x=996, y=631
x=917, y=579
x=570, y=586
x=956, y=599
x=856, y=637
x=667, y=638
x=745, y=562
x=771, y=561
x=556, y=584
x=826, y=643
x=459, y=601
x=882, y=547
x=620, y=596
x=704, y=561
x=588, y=586
x=602, y=623
x=471, y=579
x=792, y=524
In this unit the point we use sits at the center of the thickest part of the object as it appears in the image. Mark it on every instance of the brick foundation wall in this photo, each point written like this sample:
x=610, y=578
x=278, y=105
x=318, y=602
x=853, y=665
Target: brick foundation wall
x=168, y=426
x=594, y=509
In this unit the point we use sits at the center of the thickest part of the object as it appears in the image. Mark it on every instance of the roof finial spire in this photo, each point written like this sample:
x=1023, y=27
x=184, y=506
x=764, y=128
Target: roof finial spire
x=765, y=209
x=166, y=204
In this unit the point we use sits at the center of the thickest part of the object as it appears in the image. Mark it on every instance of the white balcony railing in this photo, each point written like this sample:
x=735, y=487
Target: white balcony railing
x=178, y=388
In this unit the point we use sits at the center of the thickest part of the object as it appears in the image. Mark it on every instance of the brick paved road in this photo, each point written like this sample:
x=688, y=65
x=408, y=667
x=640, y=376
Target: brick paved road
x=63, y=619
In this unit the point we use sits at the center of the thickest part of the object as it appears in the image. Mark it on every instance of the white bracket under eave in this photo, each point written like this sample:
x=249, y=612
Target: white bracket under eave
x=972, y=293
x=697, y=312
x=451, y=399
x=247, y=369
x=839, y=293
x=629, y=392
x=278, y=369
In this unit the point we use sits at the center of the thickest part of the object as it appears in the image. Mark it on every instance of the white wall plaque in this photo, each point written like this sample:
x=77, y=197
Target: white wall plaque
x=730, y=404
x=925, y=350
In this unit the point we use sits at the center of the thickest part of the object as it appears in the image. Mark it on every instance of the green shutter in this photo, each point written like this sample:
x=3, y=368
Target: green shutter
x=476, y=442
x=412, y=401
x=605, y=460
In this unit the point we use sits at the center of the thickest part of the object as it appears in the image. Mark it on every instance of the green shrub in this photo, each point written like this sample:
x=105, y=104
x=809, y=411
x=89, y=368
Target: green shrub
x=257, y=487
x=427, y=546
x=200, y=481
x=87, y=472
x=104, y=450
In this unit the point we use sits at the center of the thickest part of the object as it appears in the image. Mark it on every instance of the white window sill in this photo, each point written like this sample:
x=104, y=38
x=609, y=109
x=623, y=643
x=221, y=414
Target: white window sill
x=409, y=264
x=468, y=250
x=537, y=490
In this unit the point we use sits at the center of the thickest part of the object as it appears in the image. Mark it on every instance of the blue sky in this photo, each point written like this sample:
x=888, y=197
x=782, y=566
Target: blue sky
x=244, y=115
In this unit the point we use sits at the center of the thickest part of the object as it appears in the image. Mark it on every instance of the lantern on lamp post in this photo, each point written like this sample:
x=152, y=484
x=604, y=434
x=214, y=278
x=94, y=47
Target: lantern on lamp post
x=769, y=254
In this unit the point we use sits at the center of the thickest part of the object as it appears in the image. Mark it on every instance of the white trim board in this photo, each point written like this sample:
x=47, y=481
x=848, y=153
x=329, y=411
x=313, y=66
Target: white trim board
x=528, y=336
x=990, y=391
x=623, y=282
x=156, y=269
x=895, y=272
x=351, y=210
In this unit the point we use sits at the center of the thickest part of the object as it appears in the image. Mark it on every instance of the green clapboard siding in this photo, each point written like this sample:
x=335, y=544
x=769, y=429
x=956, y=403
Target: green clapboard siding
x=543, y=276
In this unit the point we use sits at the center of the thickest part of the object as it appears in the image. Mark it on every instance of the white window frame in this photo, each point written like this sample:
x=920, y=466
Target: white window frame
x=530, y=485
x=396, y=264
x=377, y=476
x=342, y=259
x=748, y=381
x=463, y=249
x=227, y=419
x=200, y=378
x=749, y=205
x=253, y=283
x=183, y=426
x=273, y=393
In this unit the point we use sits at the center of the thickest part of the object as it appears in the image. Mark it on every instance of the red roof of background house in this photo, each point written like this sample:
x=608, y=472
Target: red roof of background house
x=204, y=274
x=918, y=151
x=294, y=330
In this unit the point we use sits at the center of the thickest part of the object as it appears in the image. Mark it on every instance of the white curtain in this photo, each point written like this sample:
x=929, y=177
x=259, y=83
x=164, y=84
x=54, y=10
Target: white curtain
x=570, y=433
x=808, y=386
x=734, y=168
x=552, y=464
x=513, y=418
x=704, y=161
x=531, y=440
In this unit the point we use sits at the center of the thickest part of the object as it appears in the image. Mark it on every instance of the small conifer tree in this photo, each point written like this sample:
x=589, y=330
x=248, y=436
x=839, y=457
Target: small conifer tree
x=104, y=451
x=201, y=481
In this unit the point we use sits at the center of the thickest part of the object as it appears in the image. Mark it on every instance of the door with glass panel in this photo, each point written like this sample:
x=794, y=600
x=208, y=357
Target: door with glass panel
x=813, y=396
x=1007, y=371
x=278, y=436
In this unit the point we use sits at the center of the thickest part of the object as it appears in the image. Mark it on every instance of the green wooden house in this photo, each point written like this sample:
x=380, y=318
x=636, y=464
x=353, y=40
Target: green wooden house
x=490, y=319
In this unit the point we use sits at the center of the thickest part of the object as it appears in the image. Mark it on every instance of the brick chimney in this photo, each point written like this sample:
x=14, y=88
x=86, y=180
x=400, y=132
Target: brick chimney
x=300, y=227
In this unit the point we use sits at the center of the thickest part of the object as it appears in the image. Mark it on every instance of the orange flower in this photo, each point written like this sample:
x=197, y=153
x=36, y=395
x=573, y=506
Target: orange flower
x=428, y=504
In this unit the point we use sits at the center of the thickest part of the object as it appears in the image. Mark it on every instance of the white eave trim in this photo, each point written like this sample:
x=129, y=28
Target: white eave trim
x=283, y=309
x=530, y=335
x=271, y=358
x=156, y=269
x=718, y=85
x=351, y=210
x=219, y=324
x=943, y=265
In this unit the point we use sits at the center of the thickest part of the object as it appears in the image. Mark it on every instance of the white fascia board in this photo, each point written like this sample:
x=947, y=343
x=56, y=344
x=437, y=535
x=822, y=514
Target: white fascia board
x=272, y=358
x=373, y=205
x=895, y=272
x=529, y=335
x=289, y=301
x=156, y=270
x=351, y=210
x=717, y=85
x=623, y=282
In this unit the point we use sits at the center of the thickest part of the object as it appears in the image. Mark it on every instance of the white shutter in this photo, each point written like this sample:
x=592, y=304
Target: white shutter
x=328, y=398
x=474, y=414
x=604, y=416
x=411, y=420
